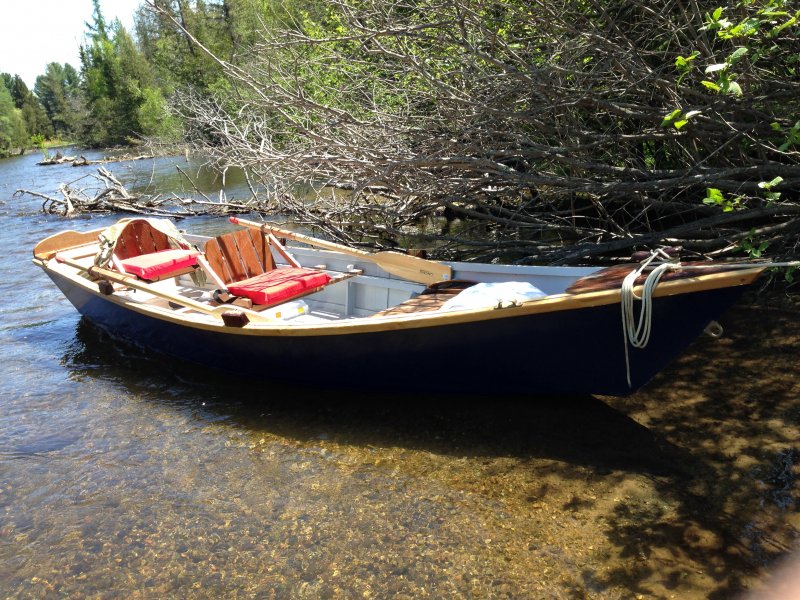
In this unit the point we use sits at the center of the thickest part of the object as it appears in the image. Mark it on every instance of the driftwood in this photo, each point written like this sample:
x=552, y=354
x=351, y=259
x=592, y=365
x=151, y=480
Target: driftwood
x=82, y=161
x=108, y=195
x=58, y=159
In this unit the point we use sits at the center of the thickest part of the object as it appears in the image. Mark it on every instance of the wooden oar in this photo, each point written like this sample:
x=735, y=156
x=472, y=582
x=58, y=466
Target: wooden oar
x=408, y=267
x=137, y=284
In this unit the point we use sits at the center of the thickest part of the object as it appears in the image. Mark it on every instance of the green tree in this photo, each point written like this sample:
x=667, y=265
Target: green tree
x=13, y=134
x=59, y=92
x=36, y=120
x=123, y=98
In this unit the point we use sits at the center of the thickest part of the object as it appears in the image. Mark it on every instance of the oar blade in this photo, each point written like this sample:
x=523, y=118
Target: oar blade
x=412, y=268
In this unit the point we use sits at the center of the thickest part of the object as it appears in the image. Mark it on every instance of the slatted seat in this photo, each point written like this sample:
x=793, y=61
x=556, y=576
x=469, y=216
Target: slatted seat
x=243, y=261
x=161, y=264
x=430, y=299
x=146, y=252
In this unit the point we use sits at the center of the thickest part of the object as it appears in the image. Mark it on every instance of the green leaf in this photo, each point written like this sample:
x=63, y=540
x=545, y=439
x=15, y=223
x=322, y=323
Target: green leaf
x=681, y=123
x=671, y=117
x=777, y=29
x=711, y=85
x=775, y=126
x=768, y=185
x=685, y=62
x=717, y=13
x=716, y=67
x=737, y=56
x=733, y=88
x=715, y=195
x=745, y=28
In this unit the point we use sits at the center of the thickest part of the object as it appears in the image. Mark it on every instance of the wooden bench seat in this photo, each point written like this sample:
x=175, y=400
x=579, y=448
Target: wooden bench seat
x=148, y=253
x=243, y=262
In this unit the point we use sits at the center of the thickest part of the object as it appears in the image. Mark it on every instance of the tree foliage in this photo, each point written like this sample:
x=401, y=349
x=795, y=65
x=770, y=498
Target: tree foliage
x=122, y=96
x=35, y=119
x=58, y=90
x=13, y=134
x=563, y=129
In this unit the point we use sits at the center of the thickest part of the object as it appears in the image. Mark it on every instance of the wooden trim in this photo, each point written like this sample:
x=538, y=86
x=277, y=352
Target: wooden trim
x=547, y=304
x=275, y=243
x=66, y=240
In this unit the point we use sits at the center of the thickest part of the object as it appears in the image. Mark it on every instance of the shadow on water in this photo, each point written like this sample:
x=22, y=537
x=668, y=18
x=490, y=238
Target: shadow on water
x=734, y=405
x=689, y=487
x=579, y=430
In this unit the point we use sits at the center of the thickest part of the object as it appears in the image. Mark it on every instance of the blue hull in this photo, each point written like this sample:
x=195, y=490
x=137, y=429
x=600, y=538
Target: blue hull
x=566, y=352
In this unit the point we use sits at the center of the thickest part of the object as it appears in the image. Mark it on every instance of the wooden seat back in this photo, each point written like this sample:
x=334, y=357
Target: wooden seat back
x=138, y=238
x=239, y=255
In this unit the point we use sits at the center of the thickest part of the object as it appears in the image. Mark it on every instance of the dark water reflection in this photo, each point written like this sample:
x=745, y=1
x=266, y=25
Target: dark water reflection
x=124, y=474
x=524, y=427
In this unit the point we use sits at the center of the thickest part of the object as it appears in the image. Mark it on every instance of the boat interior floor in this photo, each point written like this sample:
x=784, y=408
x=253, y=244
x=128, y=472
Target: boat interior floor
x=432, y=298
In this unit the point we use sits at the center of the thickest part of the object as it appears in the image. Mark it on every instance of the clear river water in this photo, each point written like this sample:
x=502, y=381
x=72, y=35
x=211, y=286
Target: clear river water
x=124, y=474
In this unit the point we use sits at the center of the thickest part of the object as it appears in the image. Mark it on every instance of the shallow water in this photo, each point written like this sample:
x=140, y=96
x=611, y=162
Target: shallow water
x=123, y=474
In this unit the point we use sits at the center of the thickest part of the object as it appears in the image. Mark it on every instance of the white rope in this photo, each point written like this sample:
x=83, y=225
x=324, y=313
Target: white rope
x=637, y=334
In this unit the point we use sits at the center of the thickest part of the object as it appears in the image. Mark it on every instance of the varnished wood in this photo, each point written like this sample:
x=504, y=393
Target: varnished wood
x=252, y=260
x=216, y=260
x=65, y=240
x=239, y=255
x=412, y=268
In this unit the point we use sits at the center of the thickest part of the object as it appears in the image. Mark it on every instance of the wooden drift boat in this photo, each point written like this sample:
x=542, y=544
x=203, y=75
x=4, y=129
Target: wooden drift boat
x=325, y=314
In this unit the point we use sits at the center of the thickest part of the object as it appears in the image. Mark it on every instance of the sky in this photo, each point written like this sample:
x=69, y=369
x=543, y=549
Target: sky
x=34, y=33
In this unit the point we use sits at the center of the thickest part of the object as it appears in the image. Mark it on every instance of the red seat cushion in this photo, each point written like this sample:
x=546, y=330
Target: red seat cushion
x=158, y=264
x=279, y=285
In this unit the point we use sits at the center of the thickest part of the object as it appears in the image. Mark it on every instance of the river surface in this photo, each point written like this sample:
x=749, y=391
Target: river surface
x=128, y=475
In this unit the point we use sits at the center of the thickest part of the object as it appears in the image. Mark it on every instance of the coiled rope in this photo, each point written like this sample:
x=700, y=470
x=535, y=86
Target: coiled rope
x=637, y=334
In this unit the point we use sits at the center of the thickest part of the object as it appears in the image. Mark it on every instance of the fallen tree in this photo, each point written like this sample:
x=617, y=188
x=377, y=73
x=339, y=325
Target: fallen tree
x=109, y=195
x=82, y=161
x=522, y=131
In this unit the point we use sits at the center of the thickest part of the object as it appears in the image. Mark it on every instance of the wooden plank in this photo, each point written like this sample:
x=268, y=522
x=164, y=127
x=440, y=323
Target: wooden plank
x=149, y=238
x=216, y=259
x=229, y=250
x=126, y=245
x=251, y=262
x=263, y=249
